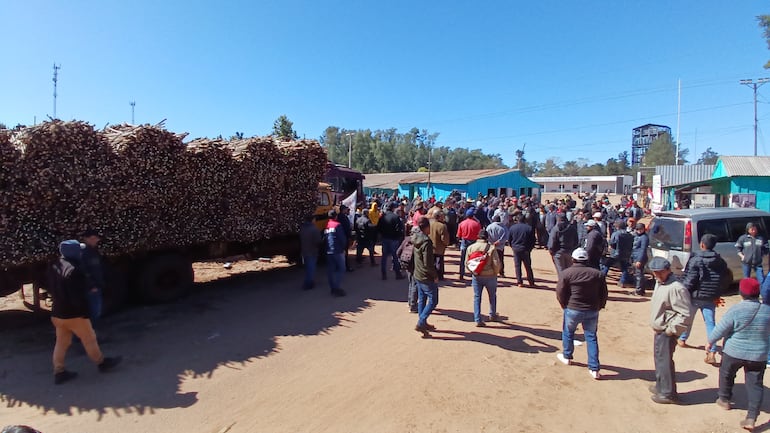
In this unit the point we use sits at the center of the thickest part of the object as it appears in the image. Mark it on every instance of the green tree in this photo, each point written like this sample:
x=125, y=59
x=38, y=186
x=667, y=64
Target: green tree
x=571, y=168
x=283, y=128
x=662, y=151
x=708, y=157
x=551, y=167
x=237, y=136
x=764, y=23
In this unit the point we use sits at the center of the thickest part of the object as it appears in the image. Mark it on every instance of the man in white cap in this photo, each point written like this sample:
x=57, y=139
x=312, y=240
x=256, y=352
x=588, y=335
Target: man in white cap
x=581, y=292
x=602, y=226
x=671, y=316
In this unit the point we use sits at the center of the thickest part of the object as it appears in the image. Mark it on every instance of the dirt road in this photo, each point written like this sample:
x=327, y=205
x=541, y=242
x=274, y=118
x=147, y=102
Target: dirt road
x=253, y=353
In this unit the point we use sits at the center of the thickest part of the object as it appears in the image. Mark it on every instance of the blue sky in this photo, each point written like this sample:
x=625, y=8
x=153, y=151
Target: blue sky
x=570, y=79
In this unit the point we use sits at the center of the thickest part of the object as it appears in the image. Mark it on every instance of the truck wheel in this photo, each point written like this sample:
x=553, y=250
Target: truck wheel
x=165, y=278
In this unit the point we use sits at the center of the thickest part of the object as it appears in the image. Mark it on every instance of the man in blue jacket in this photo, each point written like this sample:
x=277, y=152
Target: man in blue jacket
x=639, y=257
x=746, y=329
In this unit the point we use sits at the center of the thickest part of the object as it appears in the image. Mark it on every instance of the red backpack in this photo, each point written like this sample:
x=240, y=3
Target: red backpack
x=477, y=261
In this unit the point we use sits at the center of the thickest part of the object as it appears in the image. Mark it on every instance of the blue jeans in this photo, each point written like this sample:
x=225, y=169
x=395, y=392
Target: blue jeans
x=463, y=248
x=758, y=269
x=389, y=248
x=707, y=309
x=625, y=277
x=94, y=306
x=478, y=284
x=311, y=262
x=590, y=322
x=427, y=299
x=335, y=269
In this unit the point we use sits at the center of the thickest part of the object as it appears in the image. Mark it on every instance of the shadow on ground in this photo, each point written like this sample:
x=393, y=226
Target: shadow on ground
x=229, y=323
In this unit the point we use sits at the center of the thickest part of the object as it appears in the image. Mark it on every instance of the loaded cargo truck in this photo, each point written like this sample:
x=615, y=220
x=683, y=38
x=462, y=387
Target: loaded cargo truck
x=159, y=203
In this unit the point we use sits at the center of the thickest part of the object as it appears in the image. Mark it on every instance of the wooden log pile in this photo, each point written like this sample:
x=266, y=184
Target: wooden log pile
x=146, y=189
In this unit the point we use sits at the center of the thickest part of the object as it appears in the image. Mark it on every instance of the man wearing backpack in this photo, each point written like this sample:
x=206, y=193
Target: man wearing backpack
x=485, y=275
x=425, y=276
x=405, y=254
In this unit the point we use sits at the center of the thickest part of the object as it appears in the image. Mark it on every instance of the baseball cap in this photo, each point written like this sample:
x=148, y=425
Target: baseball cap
x=590, y=223
x=580, y=255
x=659, y=264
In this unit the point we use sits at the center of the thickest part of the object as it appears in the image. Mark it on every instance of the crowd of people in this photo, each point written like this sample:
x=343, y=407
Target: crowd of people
x=585, y=241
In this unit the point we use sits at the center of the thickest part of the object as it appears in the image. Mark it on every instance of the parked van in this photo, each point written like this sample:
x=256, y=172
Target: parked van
x=674, y=235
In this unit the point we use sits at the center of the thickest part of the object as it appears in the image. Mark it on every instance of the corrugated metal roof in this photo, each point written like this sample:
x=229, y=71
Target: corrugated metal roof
x=681, y=174
x=459, y=177
x=746, y=165
x=385, y=180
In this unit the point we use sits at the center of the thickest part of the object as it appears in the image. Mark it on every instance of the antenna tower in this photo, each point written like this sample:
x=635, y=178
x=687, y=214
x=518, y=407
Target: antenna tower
x=55, y=81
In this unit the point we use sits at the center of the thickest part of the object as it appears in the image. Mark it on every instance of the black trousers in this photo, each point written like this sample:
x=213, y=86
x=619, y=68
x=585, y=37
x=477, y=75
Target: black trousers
x=754, y=372
x=665, y=379
x=520, y=257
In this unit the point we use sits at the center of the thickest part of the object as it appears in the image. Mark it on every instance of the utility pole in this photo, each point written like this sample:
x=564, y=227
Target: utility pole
x=350, y=149
x=55, y=80
x=752, y=84
x=132, y=104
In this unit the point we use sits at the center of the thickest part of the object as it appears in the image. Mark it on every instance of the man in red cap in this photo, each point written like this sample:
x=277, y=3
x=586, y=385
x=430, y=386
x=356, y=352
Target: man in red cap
x=746, y=329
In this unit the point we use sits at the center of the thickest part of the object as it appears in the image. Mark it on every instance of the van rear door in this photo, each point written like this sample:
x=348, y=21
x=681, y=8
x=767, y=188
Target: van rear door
x=667, y=241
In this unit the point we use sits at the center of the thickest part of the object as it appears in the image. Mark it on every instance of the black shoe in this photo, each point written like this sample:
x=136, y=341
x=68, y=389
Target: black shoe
x=64, y=376
x=109, y=363
x=663, y=399
x=636, y=293
x=480, y=324
x=338, y=293
x=384, y=277
x=494, y=318
x=400, y=276
x=429, y=327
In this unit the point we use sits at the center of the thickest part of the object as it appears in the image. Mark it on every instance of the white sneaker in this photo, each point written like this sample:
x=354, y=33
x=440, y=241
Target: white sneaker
x=562, y=359
x=595, y=374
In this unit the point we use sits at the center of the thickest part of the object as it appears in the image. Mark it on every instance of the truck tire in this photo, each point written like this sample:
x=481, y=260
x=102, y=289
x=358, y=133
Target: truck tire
x=164, y=278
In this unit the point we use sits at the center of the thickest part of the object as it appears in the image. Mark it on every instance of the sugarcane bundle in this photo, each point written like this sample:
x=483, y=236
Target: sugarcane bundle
x=9, y=180
x=206, y=174
x=146, y=192
x=146, y=189
x=64, y=169
x=256, y=200
x=304, y=164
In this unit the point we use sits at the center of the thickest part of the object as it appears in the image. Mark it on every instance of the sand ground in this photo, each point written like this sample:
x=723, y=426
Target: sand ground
x=248, y=351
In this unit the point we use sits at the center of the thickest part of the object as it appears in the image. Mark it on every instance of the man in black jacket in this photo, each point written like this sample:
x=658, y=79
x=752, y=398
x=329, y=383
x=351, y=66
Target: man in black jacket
x=391, y=233
x=704, y=278
x=521, y=237
x=581, y=292
x=68, y=287
x=594, y=243
x=562, y=240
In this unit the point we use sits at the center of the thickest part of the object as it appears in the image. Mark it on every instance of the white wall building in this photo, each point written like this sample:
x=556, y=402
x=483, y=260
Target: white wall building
x=579, y=184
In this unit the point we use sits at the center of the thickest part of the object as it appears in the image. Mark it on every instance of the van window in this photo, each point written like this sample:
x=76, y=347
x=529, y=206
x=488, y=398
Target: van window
x=667, y=234
x=738, y=226
x=717, y=228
